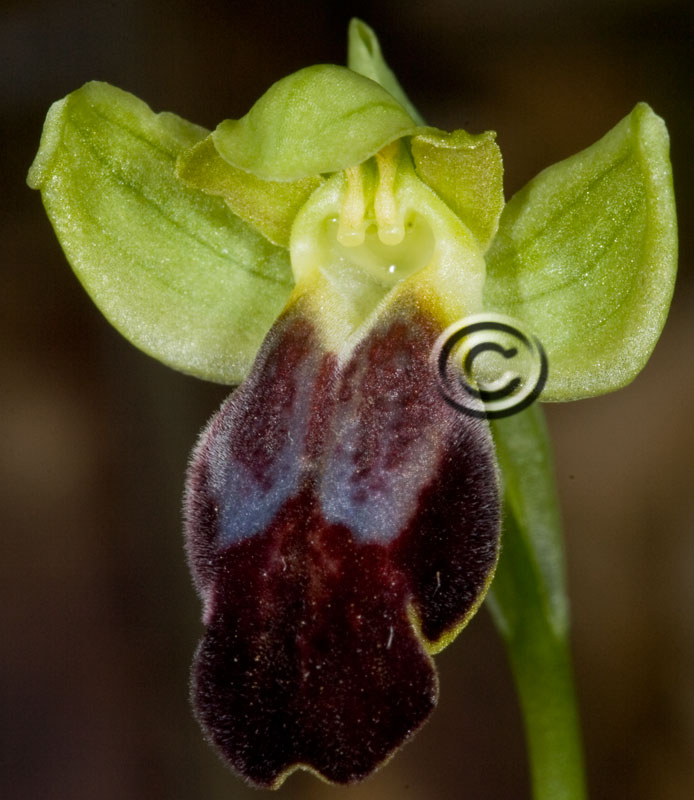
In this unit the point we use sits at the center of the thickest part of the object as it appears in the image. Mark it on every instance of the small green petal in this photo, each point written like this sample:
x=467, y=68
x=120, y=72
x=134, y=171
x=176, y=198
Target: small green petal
x=320, y=119
x=174, y=271
x=364, y=56
x=467, y=172
x=270, y=206
x=586, y=256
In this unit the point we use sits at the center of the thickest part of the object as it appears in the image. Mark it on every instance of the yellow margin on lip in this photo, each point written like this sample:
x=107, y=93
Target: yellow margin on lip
x=434, y=647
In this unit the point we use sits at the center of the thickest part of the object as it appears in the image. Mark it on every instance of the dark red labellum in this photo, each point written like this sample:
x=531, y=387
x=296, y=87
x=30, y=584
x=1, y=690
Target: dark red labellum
x=332, y=510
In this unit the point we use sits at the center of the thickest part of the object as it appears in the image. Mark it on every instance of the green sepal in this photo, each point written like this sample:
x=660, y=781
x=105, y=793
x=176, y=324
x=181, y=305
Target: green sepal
x=467, y=172
x=364, y=56
x=270, y=206
x=172, y=269
x=586, y=257
x=320, y=119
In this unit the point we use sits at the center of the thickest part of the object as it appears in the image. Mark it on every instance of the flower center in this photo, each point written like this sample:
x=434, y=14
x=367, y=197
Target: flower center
x=375, y=234
x=384, y=264
x=374, y=230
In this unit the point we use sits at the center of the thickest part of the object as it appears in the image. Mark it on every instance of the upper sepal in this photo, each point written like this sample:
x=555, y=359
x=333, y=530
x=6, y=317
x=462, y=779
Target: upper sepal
x=586, y=257
x=173, y=269
x=320, y=119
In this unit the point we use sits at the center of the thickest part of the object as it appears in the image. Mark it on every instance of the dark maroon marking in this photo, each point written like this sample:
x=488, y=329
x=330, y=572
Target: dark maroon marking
x=247, y=462
x=429, y=466
x=309, y=656
x=314, y=661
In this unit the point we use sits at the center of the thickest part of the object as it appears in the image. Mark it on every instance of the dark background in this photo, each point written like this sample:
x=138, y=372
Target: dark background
x=98, y=616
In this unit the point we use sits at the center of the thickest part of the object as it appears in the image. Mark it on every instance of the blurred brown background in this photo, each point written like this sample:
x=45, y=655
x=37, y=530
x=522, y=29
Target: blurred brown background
x=98, y=617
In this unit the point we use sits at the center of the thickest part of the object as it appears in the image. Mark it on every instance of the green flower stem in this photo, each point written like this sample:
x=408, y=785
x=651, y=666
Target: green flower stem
x=529, y=606
x=541, y=665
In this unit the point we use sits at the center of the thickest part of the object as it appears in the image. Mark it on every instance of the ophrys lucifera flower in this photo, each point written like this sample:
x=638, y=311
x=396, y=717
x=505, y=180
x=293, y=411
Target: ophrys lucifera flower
x=342, y=519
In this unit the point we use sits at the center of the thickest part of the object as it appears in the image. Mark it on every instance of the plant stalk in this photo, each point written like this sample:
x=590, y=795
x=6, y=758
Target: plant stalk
x=529, y=605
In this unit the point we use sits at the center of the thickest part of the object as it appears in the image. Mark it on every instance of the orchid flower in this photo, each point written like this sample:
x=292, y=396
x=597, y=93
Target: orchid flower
x=342, y=518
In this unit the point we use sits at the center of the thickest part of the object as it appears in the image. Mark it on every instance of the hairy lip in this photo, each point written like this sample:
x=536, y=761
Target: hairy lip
x=342, y=521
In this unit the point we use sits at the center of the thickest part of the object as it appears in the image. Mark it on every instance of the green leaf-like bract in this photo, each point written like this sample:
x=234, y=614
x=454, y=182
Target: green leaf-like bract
x=320, y=119
x=173, y=269
x=585, y=255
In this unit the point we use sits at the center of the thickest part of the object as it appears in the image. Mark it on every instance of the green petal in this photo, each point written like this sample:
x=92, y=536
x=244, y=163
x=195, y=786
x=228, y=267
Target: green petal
x=467, y=172
x=364, y=56
x=270, y=206
x=178, y=274
x=586, y=257
x=320, y=119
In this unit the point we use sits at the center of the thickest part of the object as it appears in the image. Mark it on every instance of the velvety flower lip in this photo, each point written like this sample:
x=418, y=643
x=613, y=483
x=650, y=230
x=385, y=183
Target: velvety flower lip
x=342, y=524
